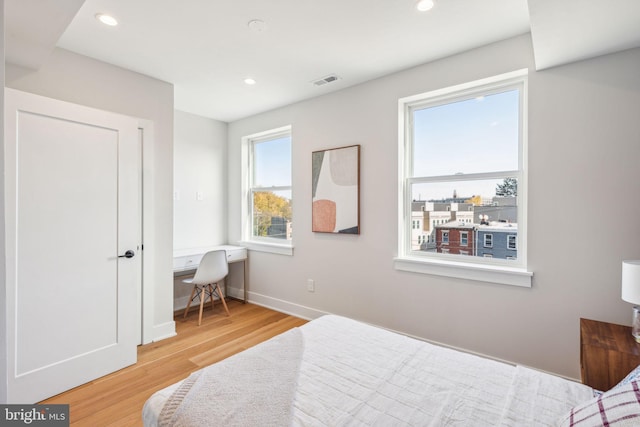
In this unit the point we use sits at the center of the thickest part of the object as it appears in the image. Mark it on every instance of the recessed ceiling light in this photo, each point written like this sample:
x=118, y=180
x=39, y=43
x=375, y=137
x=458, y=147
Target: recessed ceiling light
x=424, y=5
x=107, y=19
x=249, y=81
x=257, y=25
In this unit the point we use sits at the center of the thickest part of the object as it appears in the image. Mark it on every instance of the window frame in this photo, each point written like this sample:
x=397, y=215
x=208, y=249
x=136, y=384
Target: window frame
x=261, y=243
x=487, y=240
x=509, y=272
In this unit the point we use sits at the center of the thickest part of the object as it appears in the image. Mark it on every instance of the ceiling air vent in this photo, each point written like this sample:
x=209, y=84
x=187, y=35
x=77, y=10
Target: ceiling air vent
x=325, y=80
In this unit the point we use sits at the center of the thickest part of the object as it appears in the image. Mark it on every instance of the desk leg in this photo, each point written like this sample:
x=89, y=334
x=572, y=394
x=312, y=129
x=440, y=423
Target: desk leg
x=245, y=280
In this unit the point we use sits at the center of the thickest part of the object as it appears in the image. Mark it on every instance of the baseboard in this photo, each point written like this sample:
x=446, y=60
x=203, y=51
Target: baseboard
x=237, y=293
x=164, y=331
x=286, y=307
x=282, y=306
x=180, y=303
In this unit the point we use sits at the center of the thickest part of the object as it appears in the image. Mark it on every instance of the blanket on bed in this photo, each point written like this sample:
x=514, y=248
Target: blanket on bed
x=353, y=374
x=335, y=371
x=241, y=393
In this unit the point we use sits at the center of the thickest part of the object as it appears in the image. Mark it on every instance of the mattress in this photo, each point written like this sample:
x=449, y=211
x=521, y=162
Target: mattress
x=351, y=373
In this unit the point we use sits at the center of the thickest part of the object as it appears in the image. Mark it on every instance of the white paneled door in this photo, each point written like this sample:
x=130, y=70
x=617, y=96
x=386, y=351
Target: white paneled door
x=72, y=222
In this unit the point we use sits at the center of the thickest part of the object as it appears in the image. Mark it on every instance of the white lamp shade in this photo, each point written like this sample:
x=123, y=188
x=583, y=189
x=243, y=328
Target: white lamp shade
x=631, y=281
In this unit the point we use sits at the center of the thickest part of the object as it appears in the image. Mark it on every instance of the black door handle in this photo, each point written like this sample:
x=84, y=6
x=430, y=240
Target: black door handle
x=128, y=254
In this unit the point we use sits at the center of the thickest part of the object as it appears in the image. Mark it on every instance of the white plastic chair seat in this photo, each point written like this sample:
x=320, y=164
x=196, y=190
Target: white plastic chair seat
x=206, y=282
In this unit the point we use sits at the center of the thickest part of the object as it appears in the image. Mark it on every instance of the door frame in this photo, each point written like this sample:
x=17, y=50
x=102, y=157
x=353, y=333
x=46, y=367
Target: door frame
x=151, y=330
x=146, y=291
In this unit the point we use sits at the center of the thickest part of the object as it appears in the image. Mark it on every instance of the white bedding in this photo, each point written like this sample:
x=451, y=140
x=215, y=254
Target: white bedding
x=352, y=374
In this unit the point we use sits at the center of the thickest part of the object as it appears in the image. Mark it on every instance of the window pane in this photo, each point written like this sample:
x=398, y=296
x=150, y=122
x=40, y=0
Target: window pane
x=478, y=217
x=272, y=162
x=470, y=136
x=272, y=214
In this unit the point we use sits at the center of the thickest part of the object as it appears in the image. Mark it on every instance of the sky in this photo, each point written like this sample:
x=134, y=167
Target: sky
x=273, y=162
x=470, y=136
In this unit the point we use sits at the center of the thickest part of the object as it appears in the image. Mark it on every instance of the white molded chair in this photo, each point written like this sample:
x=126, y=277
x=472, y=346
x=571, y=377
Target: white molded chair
x=206, y=282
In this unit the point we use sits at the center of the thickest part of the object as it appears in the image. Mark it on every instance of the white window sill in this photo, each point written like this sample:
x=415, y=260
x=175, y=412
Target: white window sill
x=482, y=273
x=273, y=248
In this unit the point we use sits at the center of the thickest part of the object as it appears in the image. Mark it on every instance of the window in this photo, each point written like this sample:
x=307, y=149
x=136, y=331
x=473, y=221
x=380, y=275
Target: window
x=488, y=240
x=462, y=150
x=268, y=211
x=445, y=237
x=512, y=242
x=464, y=239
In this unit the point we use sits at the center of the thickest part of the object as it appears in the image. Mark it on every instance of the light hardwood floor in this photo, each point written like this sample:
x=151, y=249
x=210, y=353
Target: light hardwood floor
x=117, y=399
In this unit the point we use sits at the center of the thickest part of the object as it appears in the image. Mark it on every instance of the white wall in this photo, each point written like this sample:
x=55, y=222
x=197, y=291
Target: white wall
x=75, y=78
x=584, y=149
x=199, y=165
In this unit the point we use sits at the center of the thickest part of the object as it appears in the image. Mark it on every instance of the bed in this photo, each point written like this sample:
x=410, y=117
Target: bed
x=335, y=371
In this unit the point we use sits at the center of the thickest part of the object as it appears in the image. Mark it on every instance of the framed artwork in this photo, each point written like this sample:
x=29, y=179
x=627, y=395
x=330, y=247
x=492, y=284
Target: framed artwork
x=336, y=190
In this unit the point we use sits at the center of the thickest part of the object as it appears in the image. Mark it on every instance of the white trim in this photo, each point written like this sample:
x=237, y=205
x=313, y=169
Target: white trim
x=286, y=307
x=269, y=134
x=466, y=237
x=247, y=190
x=487, y=237
x=280, y=249
x=164, y=331
x=469, y=271
x=479, y=270
x=148, y=234
x=237, y=293
x=245, y=220
x=481, y=84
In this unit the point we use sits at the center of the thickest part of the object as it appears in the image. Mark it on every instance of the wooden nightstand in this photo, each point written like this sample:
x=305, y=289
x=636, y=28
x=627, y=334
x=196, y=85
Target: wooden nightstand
x=608, y=353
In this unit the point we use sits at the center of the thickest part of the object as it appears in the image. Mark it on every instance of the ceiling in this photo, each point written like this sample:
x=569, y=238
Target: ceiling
x=206, y=48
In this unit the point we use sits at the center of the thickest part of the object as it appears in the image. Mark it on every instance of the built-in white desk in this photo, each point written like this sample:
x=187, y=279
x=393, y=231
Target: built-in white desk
x=186, y=261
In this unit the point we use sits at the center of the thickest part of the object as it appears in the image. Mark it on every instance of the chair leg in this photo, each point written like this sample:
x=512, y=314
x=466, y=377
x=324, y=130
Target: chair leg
x=211, y=296
x=221, y=295
x=186, y=310
x=203, y=296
